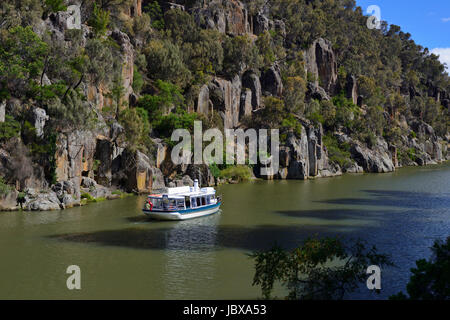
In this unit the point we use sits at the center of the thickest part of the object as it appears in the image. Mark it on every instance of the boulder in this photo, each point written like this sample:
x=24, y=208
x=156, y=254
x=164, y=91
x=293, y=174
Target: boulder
x=377, y=161
x=42, y=201
x=317, y=92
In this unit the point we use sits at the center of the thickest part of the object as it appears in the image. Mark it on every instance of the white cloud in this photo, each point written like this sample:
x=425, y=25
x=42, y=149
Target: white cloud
x=445, y=19
x=444, y=55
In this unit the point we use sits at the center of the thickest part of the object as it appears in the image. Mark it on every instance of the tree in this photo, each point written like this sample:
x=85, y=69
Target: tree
x=319, y=269
x=22, y=55
x=430, y=280
x=165, y=62
x=99, y=20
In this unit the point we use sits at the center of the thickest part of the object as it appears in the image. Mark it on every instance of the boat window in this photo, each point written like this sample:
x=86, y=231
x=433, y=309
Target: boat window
x=208, y=200
x=203, y=201
x=198, y=202
x=193, y=203
x=180, y=204
x=188, y=202
x=157, y=203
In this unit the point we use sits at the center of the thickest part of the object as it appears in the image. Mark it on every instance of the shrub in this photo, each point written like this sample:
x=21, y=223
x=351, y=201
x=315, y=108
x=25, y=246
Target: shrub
x=5, y=189
x=238, y=173
x=88, y=197
x=337, y=153
x=9, y=129
x=99, y=20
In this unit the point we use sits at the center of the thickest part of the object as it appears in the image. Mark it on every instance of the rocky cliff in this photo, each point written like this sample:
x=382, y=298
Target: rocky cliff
x=61, y=163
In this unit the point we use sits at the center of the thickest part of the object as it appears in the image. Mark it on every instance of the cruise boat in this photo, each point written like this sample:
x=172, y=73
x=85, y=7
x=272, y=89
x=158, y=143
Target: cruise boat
x=182, y=203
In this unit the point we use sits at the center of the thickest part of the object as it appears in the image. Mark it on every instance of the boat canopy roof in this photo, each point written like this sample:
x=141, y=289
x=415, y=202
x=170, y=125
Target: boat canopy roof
x=181, y=192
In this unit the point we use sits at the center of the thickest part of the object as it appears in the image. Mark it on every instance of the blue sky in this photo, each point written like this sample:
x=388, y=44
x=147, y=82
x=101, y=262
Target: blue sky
x=427, y=21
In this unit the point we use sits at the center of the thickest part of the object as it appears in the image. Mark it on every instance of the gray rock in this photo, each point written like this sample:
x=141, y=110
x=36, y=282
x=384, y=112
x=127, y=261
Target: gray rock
x=203, y=103
x=226, y=98
x=246, y=104
x=88, y=183
x=251, y=81
x=42, y=201
x=116, y=130
x=40, y=117
x=2, y=111
x=271, y=81
x=321, y=62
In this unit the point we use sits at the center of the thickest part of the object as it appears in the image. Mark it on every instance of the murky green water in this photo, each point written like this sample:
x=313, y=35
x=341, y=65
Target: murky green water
x=122, y=255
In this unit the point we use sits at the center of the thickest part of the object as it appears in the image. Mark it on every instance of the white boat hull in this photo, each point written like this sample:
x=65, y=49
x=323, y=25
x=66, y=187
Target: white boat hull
x=178, y=216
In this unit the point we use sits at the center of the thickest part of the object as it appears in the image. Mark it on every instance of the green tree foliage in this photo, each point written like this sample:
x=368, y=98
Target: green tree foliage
x=240, y=53
x=22, y=55
x=319, y=269
x=430, y=279
x=54, y=6
x=138, y=128
x=5, y=189
x=154, y=10
x=99, y=20
x=9, y=129
x=165, y=62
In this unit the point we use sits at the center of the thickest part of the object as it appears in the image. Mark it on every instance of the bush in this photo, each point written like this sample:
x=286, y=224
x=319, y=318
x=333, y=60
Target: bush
x=337, y=153
x=5, y=189
x=165, y=61
x=9, y=129
x=99, y=20
x=237, y=173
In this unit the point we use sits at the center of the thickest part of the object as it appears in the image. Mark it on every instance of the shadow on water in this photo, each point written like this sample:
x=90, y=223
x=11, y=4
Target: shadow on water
x=398, y=199
x=328, y=214
x=200, y=237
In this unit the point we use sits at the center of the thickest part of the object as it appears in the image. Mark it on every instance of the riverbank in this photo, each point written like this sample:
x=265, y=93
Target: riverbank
x=47, y=200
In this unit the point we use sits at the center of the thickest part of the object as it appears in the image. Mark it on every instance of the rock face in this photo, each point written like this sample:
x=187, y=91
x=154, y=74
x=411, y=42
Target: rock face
x=127, y=52
x=75, y=157
x=321, y=62
x=271, y=81
x=305, y=156
x=250, y=80
x=203, y=102
x=352, y=89
x=40, y=117
x=377, y=159
x=226, y=16
x=137, y=174
x=226, y=98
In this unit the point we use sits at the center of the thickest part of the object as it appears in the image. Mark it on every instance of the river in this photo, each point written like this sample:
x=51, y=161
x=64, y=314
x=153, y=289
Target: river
x=122, y=255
